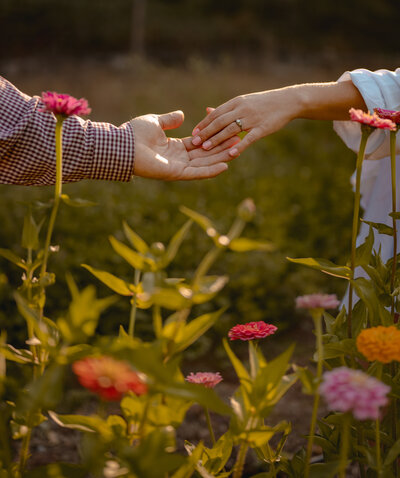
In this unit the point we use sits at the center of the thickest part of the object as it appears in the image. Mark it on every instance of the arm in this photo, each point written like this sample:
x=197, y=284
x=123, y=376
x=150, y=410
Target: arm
x=95, y=150
x=266, y=112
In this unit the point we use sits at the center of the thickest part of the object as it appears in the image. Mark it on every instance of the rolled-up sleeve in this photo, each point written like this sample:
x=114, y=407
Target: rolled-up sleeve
x=91, y=150
x=380, y=89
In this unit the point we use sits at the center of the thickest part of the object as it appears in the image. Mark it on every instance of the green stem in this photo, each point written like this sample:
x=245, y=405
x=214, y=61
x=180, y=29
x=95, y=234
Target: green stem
x=344, y=448
x=143, y=420
x=57, y=195
x=356, y=212
x=361, y=439
x=209, y=425
x=378, y=449
x=394, y=197
x=239, y=465
x=318, y=333
x=24, y=454
x=132, y=317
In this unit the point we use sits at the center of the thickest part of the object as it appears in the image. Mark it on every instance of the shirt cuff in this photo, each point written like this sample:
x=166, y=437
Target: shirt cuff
x=113, y=155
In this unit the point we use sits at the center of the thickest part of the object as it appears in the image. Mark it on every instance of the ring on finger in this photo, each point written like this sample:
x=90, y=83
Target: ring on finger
x=239, y=123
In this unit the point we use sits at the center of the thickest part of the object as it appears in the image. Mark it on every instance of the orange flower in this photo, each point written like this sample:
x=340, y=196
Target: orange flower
x=108, y=377
x=380, y=343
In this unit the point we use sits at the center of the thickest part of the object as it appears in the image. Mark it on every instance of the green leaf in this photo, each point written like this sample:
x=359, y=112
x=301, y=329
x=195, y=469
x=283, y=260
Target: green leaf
x=201, y=220
x=114, y=283
x=241, y=371
x=135, y=239
x=194, y=329
x=306, y=378
x=90, y=424
x=324, y=470
x=175, y=243
x=367, y=293
x=16, y=355
x=77, y=202
x=10, y=256
x=30, y=232
x=392, y=454
x=133, y=258
x=242, y=244
x=170, y=298
x=338, y=349
x=325, y=266
x=381, y=228
x=364, y=251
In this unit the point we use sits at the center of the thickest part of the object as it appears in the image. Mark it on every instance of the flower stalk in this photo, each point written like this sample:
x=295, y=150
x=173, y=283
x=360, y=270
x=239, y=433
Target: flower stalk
x=394, y=210
x=344, y=448
x=132, y=316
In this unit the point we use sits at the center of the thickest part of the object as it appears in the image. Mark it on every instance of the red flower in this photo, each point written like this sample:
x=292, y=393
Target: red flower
x=374, y=121
x=388, y=114
x=64, y=105
x=108, y=377
x=251, y=331
x=208, y=379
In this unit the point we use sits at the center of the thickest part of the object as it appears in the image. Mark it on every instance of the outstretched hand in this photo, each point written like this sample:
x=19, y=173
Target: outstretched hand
x=260, y=114
x=171, y=159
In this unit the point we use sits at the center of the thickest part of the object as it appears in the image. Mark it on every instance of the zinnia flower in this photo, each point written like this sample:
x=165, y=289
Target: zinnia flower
x=208, y=379
x=388, y=114
x=108, y=377
x=64, y=105
x=380, y=343
x=371, y=120
x=317, y=301
x=251, y=331
x=348, y=390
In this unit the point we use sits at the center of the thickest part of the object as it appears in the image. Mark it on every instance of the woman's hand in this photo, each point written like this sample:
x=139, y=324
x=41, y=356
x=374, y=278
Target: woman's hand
x=260, y=114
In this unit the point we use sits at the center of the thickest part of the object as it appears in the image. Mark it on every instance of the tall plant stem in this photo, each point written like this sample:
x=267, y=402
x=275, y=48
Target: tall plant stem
x=394, y=207
x=378, y=449
x=24, y=453
x=318, y=333
x=132, y=316
x=239, y=465
x=209, y=425
x=344, y=448
x=57, y=195
x=356, y=213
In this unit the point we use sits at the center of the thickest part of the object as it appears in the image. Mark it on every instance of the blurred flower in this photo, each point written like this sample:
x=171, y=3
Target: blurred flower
x=64, y=105
x=108, y=377
x=317, y=301
x=380, y=343
x=208, y=379
x=348, y=390
x=388, y=114
x=371, y=120
x=247, y=210
x=251, y=331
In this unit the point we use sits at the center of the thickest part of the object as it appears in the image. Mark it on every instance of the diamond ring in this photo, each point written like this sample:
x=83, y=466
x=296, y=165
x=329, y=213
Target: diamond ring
x=239, y=123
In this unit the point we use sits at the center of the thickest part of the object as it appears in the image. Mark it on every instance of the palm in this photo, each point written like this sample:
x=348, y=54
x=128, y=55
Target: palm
x=160, y=157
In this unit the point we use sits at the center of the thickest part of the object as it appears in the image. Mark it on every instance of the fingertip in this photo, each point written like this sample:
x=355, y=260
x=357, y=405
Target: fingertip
x=196, y=131
x=234, y=152
x=209, y=109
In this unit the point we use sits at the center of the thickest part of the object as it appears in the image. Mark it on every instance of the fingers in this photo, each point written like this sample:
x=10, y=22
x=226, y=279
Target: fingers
x=212, y=115
x=222, y=157
x=203, y=172
x=196, y=152
x=250, y=138
x=171, y=120
x=223, y=127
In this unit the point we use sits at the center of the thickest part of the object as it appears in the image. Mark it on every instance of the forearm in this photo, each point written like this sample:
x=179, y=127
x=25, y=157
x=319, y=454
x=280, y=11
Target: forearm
x=324, y=101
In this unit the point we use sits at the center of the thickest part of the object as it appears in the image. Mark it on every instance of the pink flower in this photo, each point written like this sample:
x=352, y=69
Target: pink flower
x=317, y=301
x=208, y=379
x=251, y=331
x=108, y=377
x=371, y=120
x=388, y=114
x=64, y=105
x=348, y=390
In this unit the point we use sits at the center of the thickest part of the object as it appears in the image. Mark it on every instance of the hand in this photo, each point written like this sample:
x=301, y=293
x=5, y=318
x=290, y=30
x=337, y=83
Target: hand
x=260, y=114
x=170, y=159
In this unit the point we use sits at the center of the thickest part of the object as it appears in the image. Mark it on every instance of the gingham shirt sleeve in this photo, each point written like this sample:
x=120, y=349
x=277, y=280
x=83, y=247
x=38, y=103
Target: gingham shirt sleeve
x=91, y=150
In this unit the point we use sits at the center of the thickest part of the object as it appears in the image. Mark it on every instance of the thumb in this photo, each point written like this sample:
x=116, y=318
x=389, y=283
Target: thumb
x=171, y=120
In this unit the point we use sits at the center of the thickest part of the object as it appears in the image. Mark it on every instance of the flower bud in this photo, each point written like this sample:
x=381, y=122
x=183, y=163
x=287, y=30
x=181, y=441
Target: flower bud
x=247, y=210
x=157, y=249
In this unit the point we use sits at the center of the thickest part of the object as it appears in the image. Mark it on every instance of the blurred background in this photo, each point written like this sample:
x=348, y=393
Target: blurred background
x=130, y=57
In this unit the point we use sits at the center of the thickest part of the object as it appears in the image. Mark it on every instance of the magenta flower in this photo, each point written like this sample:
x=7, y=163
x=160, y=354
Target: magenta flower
x=208, y=379
x=251, y=331
x=64, y=105
x=388, y=114
x=348, y=390
x=371, y=120
x=317, y=301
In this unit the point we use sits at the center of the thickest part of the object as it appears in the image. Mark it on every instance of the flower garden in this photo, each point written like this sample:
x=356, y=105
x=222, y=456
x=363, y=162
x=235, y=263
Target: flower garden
x=357, y=350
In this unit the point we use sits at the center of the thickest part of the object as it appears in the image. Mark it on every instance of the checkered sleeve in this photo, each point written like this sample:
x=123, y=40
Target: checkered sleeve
x=91, y=150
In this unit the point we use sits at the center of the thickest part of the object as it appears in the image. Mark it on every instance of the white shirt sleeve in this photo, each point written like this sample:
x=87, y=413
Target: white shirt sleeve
x=380, y=89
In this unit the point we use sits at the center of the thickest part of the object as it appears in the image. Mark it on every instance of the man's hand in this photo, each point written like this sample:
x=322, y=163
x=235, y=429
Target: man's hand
x=171, y=159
